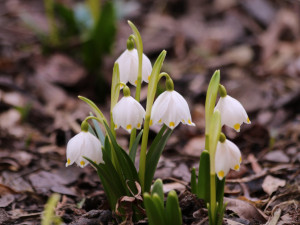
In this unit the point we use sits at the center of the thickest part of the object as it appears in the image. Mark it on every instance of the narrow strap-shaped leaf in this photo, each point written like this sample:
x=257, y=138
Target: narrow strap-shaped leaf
x=99, y=131
x=91, y=130
x=110, y=181
x=203, y=187
x=132, y=152
x=156, y=140
x=152, y=211
x=160, y=207
x=125, y=162
x=194, y=181
x=211, y=96
x=158, y=189
x=173, y=211
x=152, y=159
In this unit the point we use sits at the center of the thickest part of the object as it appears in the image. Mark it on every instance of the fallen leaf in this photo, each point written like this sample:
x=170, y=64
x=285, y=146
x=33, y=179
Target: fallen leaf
x=277, y=156
x=245, y=210
x=271, y=184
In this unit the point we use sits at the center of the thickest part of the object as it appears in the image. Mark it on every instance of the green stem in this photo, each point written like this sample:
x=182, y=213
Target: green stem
x=213, y=195
x=154, y=78
x=49, y=7
x=139, y=45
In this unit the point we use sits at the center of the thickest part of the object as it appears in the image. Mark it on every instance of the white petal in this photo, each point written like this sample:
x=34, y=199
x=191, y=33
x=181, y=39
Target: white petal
x=221, y=160
x=232, y=112
x=146, y=69
x=171, y=108
x=128, y=113
x=84, y=144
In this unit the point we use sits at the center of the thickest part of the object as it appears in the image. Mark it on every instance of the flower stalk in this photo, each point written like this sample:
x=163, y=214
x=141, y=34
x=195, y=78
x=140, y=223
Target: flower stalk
x=154, y=78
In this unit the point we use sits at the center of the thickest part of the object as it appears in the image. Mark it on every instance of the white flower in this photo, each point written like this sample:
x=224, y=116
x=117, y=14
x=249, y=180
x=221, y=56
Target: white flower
x=228, y=156
x=170, y=108
x=232, y=112
x=128, y=65
x=84, y=144
x=128, y=113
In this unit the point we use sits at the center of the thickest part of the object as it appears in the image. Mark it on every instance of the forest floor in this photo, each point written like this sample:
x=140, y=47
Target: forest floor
x=255, y=44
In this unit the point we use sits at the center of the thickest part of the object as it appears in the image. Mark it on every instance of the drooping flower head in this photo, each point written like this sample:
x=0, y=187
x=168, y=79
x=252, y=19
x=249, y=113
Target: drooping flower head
x=232, y=112
x=82, y=145
x=170, y=108
x=228, y=156
x=128, y=112
x=128, y=64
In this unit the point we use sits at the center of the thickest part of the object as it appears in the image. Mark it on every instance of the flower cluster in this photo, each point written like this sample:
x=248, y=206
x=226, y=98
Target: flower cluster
x=233, y=114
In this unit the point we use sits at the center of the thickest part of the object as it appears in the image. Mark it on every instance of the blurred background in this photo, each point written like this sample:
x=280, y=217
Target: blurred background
x=51, y=51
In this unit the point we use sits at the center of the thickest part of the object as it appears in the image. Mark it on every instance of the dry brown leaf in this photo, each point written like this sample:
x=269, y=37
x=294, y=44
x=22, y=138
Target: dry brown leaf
x=245, y=210
x=271, y=184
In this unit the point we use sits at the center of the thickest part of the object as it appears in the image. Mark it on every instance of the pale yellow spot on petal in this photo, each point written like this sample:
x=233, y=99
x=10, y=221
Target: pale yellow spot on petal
x=149, y=78
x=138, y=125
x=151, y=122
x=221, y=174
x=189, y=122
x=237, y=127
x=236, y=167
x=69, y=161
x=135, y=82
x=116, y=126
x=82, y=163
x=248, y=120
x=159, y=121
x=240, y=159
x=121, y=85
x=171, y=124
x=183, y=120
x=128, y=127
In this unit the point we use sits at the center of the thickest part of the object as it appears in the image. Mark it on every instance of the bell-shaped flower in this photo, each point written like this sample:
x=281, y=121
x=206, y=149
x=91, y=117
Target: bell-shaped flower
x=128, y=112
x=128, y=65
x=232, y=112
x=82, y=145
x=170, y=108
x=228, y=156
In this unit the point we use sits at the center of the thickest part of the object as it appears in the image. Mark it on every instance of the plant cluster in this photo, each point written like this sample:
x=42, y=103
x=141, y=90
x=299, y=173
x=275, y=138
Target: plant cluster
x=115, y=166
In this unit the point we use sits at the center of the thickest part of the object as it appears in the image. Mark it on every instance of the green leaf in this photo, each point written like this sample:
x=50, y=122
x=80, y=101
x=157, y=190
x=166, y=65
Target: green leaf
x=91, y=130
x=132, y=152
x=159, y=204
x=110, y=180
x=158, y=189
x=153, y=156
x=125, y=162
x=98, y=131
x=96, y=110
x=211, y=96
x=214, y=132
x=173, y=211
x=203, y=187
x=194, y=182
x=152, y=211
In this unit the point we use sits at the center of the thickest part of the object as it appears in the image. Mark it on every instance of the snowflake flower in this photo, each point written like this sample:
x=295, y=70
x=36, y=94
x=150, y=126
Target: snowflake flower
x=232, y=112
x=228, y=156
x=84, y=144
x=170, y=108
x=128, y=113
